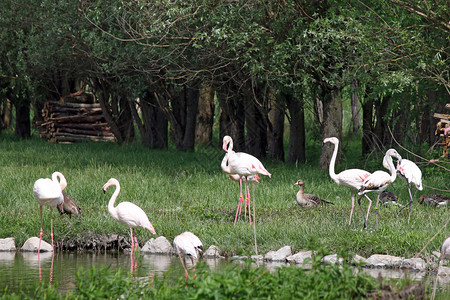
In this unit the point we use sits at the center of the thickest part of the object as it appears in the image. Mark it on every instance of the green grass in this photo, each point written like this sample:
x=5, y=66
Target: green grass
x=188, y=191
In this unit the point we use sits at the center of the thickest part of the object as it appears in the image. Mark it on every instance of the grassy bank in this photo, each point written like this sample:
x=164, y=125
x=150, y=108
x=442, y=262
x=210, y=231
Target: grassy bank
x=188, y=191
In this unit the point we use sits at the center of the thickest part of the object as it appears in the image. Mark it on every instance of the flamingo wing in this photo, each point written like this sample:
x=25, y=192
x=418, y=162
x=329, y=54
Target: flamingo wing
x=411, y=172
x=133, y=216
x=377, y=181
x=353, y=178
x=47, y=192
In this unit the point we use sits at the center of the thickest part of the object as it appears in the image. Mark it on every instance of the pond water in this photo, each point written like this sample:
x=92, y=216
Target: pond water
x=23, y=269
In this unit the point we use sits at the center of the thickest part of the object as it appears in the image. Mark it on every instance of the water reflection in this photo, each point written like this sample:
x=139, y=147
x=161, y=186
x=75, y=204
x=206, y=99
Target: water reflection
x=22, y=268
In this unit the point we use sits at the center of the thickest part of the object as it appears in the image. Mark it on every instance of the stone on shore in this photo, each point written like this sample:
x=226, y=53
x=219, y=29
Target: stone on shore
x=279, y=255
x=384, y=261
x=160, y=245
x=32, y=245
x=7, y=244
x=299, y=258
x=212, y=252
x=414, y=263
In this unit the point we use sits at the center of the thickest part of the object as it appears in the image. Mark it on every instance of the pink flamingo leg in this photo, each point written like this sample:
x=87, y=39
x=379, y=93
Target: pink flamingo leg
x=51, y=268
x=132, y=240
x=241, y=198
x=248, y=193
x=40, y=234
x=51, y=227
x=353, y=206
x=136, y=244
x=193, y=266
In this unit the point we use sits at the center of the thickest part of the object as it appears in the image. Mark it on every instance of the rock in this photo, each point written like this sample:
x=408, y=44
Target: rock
x=299, y=258
x=258, y=257
x=7, y=244
x=414, y=263
x=160, y=245
x=212, y=252
x=279, y=255
x=332, y=259
x=357, y=259
x=32, y=245
x=384, y=261
x=444, y=271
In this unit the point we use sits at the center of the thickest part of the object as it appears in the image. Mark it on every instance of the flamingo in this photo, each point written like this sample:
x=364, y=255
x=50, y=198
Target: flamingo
x=352, y=178
x=236, y=177
x=308, y=199
x=411, y=173
x=49, y=192
x=187, y=244
x=379, y=180
x=69, y=206
x=127, y=213
x=242, y=164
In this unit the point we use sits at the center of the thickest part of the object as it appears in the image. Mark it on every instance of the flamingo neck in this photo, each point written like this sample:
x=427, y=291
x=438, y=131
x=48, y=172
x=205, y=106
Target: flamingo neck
x=230, y=147
x=391, y=168
x=62, y=180
x=224, y=165
x=113, y=210
x=333, y=162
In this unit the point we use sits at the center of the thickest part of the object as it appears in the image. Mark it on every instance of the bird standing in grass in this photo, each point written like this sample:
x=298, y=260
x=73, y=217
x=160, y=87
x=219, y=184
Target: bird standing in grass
x=127, y=213
x=242, y=164
x=49, y=192
x=252, y=178
x=69, y=207
x=435, y=200
x=187, y=244
x=411, y=173
x=379, y=180
x=352, y=178
x=308, y=200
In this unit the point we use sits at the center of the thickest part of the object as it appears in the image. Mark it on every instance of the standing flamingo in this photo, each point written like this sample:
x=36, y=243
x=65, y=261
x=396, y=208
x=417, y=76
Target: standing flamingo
x=49, y=192
x=445, y=250
x=352, y=178
x=127, y=213
x=379, y=180
x=411, y=173
x=187, y=244
x=242, y=164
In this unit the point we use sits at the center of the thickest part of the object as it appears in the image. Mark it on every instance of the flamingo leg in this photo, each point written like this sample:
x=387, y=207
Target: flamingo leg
x=248, y=193
x=183, y=261
x=362, y=210
x=376, y=213
x=353, y=206
x=193, y=266
x=41, y=232
x=409, y=203
x=51, y=227
x=368, y=208
x=241, y=198
x=132, y=240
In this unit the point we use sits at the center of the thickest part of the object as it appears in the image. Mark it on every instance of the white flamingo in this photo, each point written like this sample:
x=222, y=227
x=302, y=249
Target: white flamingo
x=127, y=213
x=49, y=192
x=411, y=173
x=352, y=178
x=242, y=164
x=445, y=250
x=379, y=180
x=187, y=244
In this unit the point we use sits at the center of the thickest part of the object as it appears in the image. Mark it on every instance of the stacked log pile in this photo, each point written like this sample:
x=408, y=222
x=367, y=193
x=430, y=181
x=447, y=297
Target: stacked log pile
x=74, y=122
x=441, y=126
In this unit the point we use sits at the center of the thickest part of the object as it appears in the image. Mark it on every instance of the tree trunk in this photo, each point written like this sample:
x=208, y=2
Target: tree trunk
x=355, y=106
x=367, y=127
x=192, y=95
x=23, y=126
x=332, y=123
x=5, y=114
x=381, y=136
x=276, y=146
x=205, y=117
x=297, y=153
x=232, y=120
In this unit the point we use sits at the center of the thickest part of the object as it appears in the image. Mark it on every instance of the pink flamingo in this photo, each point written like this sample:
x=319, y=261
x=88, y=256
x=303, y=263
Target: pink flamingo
x=127, y=213
x=49, y=192
x=243, y=165
x=352, y=178
x=187, y=244
x=379, y=180
x=445, y=249
x=411, y=173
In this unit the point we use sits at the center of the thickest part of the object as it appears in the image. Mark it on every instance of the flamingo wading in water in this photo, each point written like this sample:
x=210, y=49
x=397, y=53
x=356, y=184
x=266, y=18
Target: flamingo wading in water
x=49, y=192
x=411, y=173
x=243, y=165
x=127, y=213
x=379, y=180
x=187, y=244
x=352, y=178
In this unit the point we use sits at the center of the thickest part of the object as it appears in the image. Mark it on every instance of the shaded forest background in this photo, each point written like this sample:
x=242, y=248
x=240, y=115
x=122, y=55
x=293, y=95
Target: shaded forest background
x=166, y=71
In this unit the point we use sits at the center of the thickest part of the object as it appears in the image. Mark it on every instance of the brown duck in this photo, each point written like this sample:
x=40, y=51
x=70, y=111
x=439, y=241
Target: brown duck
x=69, y=206
x=308, y=199
x=435, y=200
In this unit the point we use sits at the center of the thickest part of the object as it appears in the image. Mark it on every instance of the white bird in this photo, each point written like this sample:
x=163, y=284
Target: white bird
x=187, y=244
x=445, y=250
x=49, y=192
x=352, y=178
x=379, y=180
x=411, y=173
x=242, y=164
x=127, y=213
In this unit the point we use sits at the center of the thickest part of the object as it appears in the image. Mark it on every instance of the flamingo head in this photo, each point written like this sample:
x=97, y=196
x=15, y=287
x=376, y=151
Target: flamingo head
x=300, y=182
x=227, y=140
x=333, y=140
x=62, y=180
x=111, y=181
x=393, y=153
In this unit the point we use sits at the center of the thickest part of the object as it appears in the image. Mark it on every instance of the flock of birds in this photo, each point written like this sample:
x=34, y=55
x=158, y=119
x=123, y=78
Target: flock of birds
x=246, y=168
